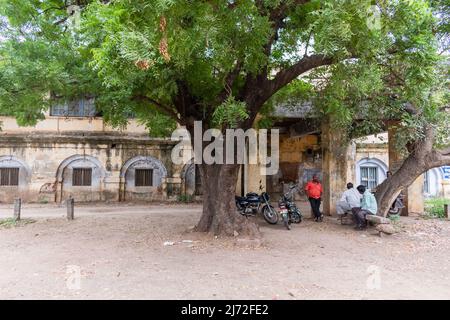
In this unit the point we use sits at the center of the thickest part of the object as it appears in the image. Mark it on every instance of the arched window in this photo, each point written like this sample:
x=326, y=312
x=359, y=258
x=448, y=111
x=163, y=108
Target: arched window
x=432, y=181
x=370, y=172
x=142, y=177
x=82, y=177
x=13, y=172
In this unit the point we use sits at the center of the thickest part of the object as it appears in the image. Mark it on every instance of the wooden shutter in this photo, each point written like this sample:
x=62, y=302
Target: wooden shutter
x=143, y=178
x=9, y=176
x=82, y=177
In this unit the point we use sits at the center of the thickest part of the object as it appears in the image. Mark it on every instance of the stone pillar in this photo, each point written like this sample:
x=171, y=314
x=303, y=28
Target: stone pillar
x=70, y=208
x=121, y=189
x=17, y=208
x=338, y=165
x=413, y=200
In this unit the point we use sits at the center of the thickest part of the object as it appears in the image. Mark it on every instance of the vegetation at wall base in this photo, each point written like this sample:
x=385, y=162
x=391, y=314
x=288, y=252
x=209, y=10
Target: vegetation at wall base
x=12, y=223
x=434, y=207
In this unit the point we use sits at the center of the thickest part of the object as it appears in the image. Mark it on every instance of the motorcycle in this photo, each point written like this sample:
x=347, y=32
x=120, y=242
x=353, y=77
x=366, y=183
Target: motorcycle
x=253, y=203
x=288, y=209
x=397, y=206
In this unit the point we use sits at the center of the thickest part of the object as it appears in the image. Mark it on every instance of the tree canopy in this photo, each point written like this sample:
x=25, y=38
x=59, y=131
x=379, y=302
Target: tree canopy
x=226, y=61
x=145, y=56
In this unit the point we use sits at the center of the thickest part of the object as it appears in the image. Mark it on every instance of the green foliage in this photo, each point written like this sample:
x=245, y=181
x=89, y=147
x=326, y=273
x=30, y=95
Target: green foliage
x=395, y=218
x=434, y=207
x=229, y=114
x=399, y=66
x=12, y=223
x=186, y=198
x=138, y=56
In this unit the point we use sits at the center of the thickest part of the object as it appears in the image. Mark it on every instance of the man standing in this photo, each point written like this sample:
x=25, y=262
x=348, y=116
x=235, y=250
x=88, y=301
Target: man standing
x=368, y=206
x=350, y=199
x=314, y=192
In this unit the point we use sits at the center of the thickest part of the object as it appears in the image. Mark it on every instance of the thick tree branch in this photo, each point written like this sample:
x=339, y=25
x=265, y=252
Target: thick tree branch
x=445, y=151
x=437, y=159
x=229, y=81
x=276, y=17
x=305, y=64
x=259, y=89
x=163, y=108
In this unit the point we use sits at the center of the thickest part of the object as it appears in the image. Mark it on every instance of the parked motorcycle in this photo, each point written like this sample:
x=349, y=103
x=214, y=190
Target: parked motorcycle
x=288, y=209
x=397, y=206
x=253, y=203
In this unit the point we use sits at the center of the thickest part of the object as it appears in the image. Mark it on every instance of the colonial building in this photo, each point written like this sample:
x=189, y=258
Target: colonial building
x=74, y=153
x=78, y=155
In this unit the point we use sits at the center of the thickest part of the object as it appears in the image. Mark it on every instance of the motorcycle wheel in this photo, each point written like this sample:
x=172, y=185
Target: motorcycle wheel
x=296, y=217
x=394, y=211
x=240, y=209
x=286, y=222
x=270, y=215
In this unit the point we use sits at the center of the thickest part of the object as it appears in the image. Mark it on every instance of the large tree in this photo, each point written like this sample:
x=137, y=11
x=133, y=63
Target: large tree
x=406, y=91
x=216, y=61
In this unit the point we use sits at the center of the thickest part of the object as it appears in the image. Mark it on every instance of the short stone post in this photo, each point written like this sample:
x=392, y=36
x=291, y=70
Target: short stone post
x=446, y=210
x=70, y=208
x=17, y=208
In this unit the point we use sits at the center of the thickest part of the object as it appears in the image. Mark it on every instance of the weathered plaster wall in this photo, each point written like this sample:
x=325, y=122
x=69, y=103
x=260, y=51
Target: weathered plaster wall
x=69, y=124
x=300, y=157
x=51, y=158
x=372, y=151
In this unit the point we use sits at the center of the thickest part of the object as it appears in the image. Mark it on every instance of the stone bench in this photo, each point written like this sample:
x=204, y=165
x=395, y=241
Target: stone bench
x=377, y=219
x=370, y=218
x=343, y=218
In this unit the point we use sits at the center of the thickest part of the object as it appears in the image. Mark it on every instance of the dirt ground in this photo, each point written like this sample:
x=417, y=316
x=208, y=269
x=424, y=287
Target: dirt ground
x=118, y=252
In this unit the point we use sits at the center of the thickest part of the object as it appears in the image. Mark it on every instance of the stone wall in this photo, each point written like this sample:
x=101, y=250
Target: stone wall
x=300, y=157
x=47, y=160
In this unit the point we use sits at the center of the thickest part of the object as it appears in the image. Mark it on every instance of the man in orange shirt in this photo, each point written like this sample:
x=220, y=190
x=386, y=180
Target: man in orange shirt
x=314, y=192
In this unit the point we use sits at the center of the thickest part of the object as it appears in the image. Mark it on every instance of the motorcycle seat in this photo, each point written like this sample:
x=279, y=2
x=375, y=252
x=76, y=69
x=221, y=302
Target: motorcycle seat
x=252, y=195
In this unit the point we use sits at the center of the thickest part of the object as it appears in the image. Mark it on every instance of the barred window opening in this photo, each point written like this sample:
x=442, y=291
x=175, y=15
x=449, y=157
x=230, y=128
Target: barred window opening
x=82, y=177
x=369, y=177
x=9, y=176
x=143, y=178
x=84, y=107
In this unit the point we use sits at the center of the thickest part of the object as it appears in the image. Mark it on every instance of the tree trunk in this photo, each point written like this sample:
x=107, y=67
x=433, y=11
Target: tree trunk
x=422, y=158
x=389, y=190
x=220, y=216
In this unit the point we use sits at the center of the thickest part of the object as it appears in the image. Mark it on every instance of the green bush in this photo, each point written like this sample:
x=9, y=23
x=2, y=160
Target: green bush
x=11, y=222
x=185, y=198
x=434, y=207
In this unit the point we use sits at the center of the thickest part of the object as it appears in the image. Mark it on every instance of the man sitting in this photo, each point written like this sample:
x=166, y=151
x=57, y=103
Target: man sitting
x=368, y=206
x=350, y=199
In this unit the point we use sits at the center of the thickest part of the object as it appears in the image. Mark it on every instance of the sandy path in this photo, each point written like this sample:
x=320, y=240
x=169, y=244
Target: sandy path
x=120, y=253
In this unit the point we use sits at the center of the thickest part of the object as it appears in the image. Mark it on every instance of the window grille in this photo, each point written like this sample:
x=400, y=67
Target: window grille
x=82, y=177
x=143, y=178
x=9, y=176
